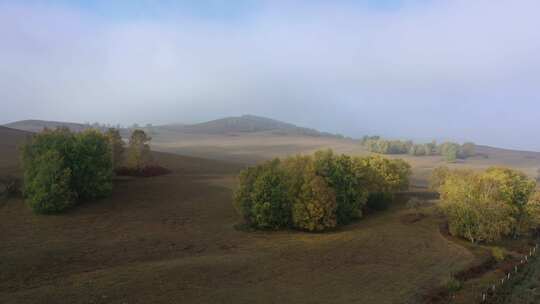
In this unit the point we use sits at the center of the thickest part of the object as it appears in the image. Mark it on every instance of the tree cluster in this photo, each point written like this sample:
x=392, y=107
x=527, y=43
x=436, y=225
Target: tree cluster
x=318, y=192
x=487, y=206
x=62, y=168
x=449, y=150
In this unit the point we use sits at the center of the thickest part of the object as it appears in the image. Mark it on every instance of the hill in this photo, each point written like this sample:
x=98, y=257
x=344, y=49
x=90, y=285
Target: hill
x=244, y=124
x=38, y=125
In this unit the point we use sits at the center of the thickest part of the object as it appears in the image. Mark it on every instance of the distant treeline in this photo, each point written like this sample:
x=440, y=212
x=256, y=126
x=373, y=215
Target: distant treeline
x=451, y=151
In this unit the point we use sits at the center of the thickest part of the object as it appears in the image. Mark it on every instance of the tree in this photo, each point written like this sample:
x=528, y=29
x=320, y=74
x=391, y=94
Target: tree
x=339, y=173
x=117, y=147
x=139, y=155
x=533, y=211
x=450, y=151
x=271, y=206
x=438, y=176
x=47, y=183
x=91, y=165
x=315, y=207
x=468, y=149
x=62, y=168
x=486, y=206
x=513, y=188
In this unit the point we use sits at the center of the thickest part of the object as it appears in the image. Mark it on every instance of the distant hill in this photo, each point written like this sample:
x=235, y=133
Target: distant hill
x=39, y=125
x=244, y=124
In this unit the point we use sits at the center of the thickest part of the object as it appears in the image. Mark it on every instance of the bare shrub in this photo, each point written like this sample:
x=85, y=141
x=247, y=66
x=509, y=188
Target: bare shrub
x=10, y=186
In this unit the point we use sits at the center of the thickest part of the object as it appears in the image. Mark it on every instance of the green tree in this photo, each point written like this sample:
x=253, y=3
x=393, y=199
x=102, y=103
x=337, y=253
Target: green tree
x=450, y=151
x=339, y=173
x=66, y=167
x=271, y=205
x=139, y=155
x=47, y=183
x=91, y=165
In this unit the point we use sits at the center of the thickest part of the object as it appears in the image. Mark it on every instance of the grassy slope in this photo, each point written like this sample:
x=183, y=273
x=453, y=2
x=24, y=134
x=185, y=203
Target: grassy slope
x=171, y=238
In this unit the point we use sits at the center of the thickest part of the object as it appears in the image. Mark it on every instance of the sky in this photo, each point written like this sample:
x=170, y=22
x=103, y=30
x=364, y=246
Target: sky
x=449, y=70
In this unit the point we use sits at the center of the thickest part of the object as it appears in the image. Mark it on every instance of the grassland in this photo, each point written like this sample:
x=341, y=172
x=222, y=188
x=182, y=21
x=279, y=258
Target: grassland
x=172, y=239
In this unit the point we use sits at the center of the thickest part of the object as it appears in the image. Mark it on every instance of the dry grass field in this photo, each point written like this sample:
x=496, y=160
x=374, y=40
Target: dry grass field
x=172, y=238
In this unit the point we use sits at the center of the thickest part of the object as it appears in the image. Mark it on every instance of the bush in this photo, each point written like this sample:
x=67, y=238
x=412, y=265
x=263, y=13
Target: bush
x=62, y=168
x=498, y=254
x=453, y=284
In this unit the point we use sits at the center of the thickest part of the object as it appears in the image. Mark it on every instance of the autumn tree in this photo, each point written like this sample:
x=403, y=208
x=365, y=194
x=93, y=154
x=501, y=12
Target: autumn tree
x=339, y=172
x=533, y=211
x=315, y=207
x=117, y=146
x=139, y=154
x=486, y=206
x=438, y=177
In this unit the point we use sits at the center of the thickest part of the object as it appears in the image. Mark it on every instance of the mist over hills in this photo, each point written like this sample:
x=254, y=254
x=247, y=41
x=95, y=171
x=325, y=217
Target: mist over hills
x=227, y=125
x=245, y=124
x=35, y=125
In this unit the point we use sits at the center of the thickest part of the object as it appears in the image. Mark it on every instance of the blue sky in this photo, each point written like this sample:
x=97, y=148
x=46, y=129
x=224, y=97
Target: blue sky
x=461, y=70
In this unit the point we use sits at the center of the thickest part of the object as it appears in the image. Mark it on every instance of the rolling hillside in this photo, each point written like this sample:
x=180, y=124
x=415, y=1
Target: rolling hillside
x=39, y=125
x=243, y=124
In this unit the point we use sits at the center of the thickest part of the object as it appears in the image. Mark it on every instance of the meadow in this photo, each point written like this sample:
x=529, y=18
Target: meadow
x=176, y=238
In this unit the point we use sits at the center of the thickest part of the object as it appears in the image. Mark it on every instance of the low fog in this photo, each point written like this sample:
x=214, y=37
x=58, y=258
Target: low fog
x=460, y=70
